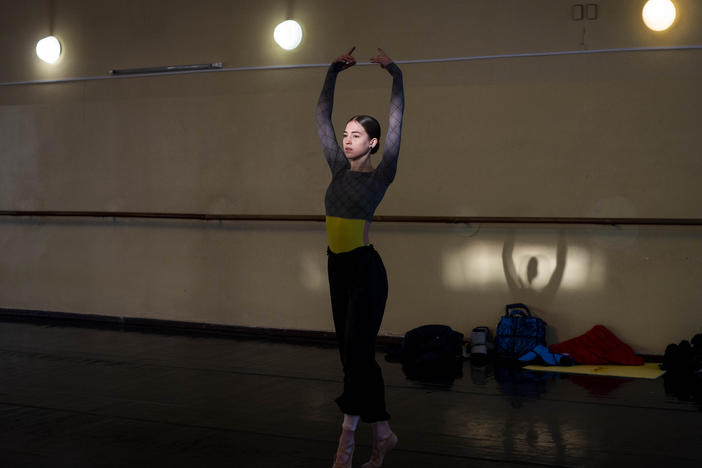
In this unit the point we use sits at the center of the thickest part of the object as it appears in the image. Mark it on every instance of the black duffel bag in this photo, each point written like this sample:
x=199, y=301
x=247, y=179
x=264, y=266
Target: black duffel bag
x=430, y=351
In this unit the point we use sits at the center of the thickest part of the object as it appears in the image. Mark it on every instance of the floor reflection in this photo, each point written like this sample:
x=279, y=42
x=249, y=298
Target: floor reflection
x=685, y=387
x=540, y=431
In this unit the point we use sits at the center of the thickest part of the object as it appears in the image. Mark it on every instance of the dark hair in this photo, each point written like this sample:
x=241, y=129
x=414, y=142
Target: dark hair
x=371, y=126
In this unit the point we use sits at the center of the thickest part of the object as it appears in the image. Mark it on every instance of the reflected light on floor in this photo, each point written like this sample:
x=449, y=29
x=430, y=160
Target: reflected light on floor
x=479, y=266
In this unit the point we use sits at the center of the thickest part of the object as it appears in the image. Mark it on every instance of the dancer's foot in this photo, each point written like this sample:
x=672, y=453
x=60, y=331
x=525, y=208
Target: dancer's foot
x=344, y=453
x=381, y=447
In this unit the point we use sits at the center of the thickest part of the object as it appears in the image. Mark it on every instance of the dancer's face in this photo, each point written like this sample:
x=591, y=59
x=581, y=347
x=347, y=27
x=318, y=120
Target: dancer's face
x=356, y=141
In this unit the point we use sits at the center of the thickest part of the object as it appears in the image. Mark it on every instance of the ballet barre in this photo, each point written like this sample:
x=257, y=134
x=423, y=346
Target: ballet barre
x=612, y=221
x=217, y=67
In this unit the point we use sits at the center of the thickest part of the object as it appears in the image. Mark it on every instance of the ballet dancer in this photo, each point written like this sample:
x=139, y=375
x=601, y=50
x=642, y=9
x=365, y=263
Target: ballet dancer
x=358, y=282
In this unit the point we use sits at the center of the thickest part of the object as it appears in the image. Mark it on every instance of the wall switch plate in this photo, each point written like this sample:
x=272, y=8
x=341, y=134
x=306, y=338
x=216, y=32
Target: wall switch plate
x=592, y=11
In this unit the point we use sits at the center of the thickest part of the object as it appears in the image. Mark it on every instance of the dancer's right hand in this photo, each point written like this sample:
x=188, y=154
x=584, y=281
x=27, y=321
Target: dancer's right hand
x=347, y=59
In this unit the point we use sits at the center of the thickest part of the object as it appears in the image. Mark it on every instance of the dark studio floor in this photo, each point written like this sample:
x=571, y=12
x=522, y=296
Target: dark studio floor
x=89, y=397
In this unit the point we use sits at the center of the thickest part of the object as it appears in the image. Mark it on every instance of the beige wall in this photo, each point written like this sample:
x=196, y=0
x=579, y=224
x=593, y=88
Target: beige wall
x=586, y=135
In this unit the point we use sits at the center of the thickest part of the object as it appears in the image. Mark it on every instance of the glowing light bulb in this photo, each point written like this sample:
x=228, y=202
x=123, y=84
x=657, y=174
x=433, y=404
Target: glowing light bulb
x=658, y=15
x=288, y=34
x=49, y=49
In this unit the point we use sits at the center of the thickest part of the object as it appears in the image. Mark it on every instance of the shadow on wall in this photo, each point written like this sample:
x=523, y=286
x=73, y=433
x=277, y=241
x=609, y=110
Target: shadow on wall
x=528, y=287
x=533, y=270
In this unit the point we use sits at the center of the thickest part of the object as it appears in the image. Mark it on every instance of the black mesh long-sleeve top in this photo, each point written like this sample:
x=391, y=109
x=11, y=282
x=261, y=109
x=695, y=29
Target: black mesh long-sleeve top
x=353, y=196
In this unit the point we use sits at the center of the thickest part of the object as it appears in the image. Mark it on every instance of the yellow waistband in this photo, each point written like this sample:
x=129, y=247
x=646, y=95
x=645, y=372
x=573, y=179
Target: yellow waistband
x=345, y=234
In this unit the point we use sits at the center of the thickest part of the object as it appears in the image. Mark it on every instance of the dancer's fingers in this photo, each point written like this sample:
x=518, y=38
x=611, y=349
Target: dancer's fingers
x=382, y=58
x=347, y=60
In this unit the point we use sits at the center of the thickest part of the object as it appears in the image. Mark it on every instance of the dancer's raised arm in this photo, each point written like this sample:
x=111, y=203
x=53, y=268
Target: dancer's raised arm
x=327, y=137
x=388, y=165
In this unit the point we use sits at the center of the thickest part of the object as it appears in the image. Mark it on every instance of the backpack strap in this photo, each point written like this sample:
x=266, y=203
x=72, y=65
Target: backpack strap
x=517, y=310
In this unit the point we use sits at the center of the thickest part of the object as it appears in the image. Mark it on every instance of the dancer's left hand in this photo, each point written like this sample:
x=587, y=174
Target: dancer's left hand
x=382, y=58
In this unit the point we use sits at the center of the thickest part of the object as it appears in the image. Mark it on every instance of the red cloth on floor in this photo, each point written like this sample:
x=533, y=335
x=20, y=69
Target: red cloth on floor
x=598, y=346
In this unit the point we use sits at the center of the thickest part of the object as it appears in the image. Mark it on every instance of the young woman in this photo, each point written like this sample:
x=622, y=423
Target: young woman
x=357, y=280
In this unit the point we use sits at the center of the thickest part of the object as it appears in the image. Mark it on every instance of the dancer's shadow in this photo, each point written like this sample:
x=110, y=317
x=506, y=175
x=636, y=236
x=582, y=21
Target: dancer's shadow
x=525, y=291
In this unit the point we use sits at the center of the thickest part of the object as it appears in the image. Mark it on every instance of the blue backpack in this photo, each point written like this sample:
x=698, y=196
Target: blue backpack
x=518, y=332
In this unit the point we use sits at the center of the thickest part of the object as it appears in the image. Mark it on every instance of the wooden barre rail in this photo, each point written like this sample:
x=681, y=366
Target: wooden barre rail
x=387, y=219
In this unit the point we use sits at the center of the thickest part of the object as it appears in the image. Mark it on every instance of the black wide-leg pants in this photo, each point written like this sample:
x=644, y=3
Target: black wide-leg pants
x=358, y=285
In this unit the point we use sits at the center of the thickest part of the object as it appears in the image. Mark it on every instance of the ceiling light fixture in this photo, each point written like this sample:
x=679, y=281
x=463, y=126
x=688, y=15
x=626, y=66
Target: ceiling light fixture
x=658, y=15
x=288, y=34
x=49, y=49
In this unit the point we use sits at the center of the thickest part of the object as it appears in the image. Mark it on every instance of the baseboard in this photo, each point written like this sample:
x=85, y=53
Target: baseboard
x=175, y=327
x=171, y=327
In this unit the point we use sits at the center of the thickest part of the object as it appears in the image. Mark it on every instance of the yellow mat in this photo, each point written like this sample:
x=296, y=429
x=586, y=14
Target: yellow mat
x=649, y=370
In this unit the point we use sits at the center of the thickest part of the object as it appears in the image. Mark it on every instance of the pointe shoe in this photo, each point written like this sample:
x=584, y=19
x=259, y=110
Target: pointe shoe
x=381, y=447
x=344, y=453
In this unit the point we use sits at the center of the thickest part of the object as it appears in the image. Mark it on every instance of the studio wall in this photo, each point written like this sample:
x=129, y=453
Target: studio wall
x=595, y=135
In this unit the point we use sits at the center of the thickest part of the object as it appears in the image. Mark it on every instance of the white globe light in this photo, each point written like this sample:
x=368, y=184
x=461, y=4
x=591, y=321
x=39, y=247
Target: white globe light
x=288, y=34
x=658, y=14
x=49, y=49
